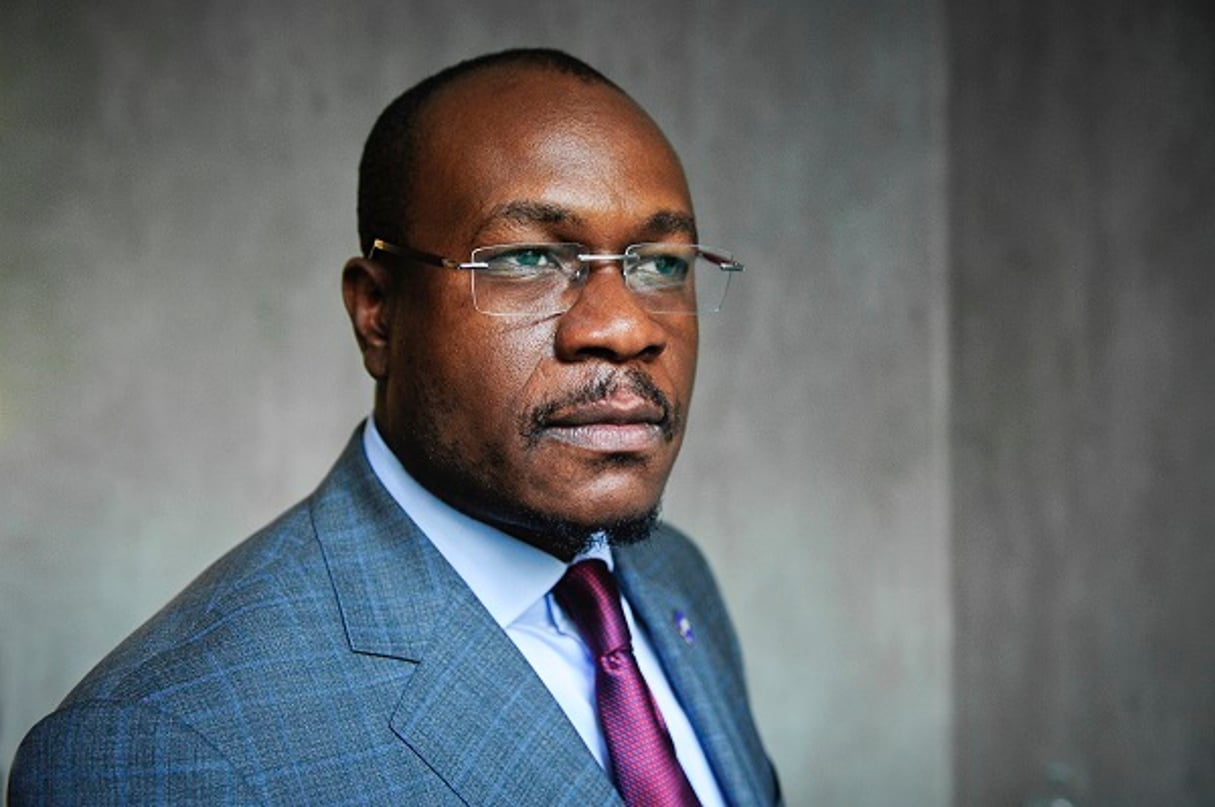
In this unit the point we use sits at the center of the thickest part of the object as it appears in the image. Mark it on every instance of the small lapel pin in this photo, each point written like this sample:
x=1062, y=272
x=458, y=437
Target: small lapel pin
x=684, y=625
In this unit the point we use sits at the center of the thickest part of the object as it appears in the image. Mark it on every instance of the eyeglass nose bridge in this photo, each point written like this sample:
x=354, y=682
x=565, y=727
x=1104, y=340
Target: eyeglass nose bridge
x=590, y=257
x=586, y=259
x=582, y=272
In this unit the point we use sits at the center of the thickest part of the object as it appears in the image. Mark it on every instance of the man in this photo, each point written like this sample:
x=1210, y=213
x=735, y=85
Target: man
x=410, y=633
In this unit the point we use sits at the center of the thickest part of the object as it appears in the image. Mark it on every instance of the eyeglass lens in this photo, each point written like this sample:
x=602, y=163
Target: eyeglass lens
x=548, y=278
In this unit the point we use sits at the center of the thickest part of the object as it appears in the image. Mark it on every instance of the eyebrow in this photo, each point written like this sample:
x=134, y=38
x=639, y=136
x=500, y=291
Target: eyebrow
x=670, y=222
x=525, y=212
x=529, y=212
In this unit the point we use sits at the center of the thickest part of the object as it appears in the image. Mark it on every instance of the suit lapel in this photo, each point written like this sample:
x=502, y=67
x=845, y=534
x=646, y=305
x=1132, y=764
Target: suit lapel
x=702, y=673
x=472, y=708
x=514, y=744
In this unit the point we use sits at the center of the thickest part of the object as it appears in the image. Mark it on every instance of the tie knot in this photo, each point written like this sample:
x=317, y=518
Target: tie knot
x=589, y=596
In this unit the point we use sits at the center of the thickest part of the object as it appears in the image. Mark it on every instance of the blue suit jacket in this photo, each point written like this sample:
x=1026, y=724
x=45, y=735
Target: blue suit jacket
x=336, y=658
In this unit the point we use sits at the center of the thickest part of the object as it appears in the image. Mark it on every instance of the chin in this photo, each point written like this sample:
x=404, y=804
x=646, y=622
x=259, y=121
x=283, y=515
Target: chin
x=566, y=537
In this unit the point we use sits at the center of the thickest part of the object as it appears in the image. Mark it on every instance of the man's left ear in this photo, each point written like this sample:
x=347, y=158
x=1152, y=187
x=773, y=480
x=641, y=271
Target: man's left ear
x=366, y=294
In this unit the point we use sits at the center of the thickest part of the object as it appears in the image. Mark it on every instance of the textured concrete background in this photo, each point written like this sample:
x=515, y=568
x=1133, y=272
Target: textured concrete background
x=178, y=199
x=1082, y=201
x=953, y=449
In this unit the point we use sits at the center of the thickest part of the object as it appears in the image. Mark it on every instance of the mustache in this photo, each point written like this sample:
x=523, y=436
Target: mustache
x=600, y=388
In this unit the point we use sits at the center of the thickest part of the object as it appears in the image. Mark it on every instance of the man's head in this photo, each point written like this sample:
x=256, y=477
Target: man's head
x=550, y=427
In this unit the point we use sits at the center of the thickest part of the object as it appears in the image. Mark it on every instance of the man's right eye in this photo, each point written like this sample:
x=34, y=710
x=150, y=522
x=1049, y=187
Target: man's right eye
x=529, y=260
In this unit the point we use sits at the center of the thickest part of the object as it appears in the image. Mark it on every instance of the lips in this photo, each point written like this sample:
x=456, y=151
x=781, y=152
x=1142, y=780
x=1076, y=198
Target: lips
x=622, y=422
x=621, y=408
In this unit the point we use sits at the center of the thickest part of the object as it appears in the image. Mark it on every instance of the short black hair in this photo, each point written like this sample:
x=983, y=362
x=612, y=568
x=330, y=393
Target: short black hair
x=389, y=164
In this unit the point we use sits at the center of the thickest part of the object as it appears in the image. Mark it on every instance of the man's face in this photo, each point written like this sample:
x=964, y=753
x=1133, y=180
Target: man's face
x=539, y=424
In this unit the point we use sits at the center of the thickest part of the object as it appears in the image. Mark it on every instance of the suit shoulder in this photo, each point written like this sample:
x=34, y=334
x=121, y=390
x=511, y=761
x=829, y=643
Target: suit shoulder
x=218, y=617
x=99, y=752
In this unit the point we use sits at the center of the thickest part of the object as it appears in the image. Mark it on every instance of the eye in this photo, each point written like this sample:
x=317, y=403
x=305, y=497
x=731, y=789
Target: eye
x=661, y=269
x=532, y=257
x=668, y=266
x=524, y=260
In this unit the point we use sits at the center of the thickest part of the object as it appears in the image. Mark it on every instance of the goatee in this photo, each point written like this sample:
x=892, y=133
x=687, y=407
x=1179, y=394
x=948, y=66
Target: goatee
x=566, y=540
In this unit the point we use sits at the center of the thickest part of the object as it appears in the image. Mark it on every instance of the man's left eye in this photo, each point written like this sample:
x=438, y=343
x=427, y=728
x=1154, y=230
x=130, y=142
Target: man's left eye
x=663, y=268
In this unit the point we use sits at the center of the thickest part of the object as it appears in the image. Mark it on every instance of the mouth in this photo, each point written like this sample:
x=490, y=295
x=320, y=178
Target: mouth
x=622, y=423
x=611, y=416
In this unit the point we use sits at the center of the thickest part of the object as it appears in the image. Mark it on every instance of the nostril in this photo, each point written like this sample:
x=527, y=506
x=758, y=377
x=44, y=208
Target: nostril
x=608, y=322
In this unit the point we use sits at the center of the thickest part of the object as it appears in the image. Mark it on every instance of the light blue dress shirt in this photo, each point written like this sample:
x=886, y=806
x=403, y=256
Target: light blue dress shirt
x=514, y=581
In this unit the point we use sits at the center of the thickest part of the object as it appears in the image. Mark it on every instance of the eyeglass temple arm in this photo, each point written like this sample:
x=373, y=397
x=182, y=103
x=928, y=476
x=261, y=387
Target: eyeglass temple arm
x=726, y=263
x=380, y=245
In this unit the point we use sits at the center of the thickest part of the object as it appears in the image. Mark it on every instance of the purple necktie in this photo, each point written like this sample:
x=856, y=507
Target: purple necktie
x=643, y=756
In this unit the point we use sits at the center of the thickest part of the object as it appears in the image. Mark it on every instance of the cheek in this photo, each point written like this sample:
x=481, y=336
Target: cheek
x=501, y=375
x=680, y=357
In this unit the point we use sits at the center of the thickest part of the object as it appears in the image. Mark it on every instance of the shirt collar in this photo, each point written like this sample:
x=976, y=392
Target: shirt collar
x=507, y=575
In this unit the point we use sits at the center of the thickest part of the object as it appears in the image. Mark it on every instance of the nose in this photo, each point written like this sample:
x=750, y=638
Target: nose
x=608, y=322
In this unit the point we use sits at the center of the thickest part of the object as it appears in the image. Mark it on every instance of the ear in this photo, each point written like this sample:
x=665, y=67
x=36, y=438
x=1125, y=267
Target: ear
x=366, y=293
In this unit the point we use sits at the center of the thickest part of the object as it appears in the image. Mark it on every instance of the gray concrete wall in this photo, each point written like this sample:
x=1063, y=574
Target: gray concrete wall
x=175, y=367
x=1082, y=200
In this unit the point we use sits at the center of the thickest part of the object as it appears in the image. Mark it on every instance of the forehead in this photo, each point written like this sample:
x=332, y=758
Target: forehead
x=501, y=137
